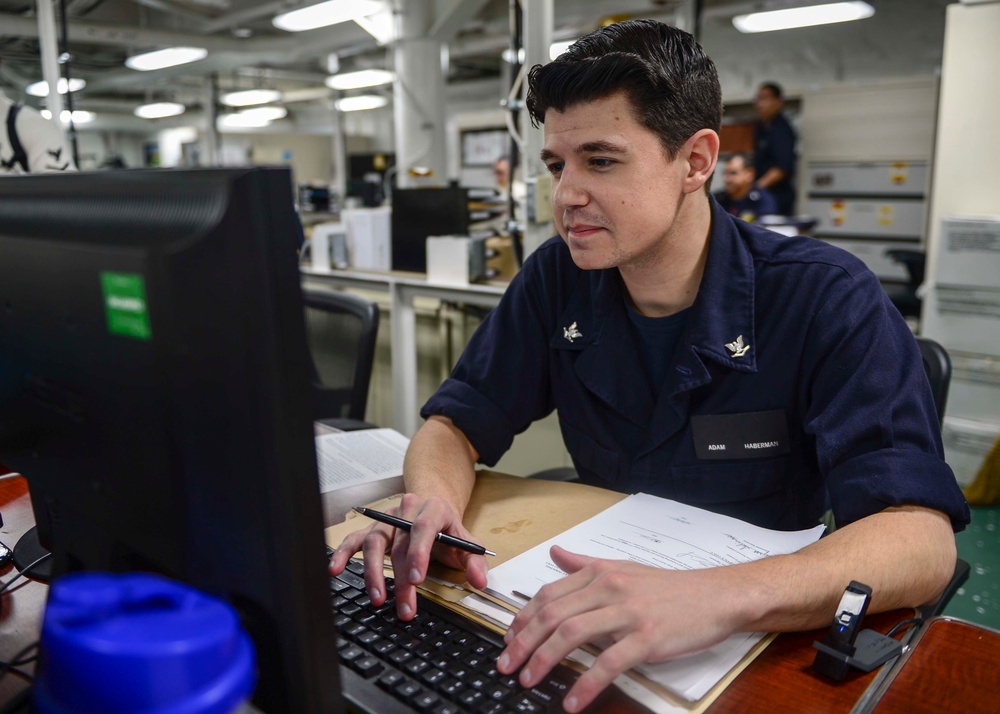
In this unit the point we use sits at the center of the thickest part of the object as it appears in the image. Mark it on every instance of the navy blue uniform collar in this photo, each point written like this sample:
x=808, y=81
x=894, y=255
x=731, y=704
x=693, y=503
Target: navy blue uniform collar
x=723, y=312
x=595, y=324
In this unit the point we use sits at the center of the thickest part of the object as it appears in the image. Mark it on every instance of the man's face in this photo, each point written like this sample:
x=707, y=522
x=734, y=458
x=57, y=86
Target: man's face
x=501, y=172
x=767, y=105
x=738, y=177
x=615, y=193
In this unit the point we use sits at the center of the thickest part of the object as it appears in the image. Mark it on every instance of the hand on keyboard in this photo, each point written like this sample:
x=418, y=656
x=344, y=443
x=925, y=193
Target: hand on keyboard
x=411, y=552
x=438, y=662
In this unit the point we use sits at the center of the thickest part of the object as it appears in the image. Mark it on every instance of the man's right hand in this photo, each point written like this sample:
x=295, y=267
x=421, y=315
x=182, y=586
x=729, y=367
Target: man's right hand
x=438, y=474
x=411, y=552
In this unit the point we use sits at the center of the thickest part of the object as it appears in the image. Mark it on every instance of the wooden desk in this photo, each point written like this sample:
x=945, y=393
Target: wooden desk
x=953, y=666
x=23, y=604
x=779, y=680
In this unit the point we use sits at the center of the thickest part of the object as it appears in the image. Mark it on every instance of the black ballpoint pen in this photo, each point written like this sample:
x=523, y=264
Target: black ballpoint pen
x=443, y=538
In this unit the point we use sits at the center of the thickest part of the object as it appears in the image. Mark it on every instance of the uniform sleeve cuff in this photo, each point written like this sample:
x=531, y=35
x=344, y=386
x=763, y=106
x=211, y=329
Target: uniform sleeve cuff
x=878, y=480
x=483, y=423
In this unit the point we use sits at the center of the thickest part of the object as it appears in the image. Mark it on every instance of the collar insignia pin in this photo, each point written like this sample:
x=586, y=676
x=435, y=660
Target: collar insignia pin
x=737, y=348
x=571, y=333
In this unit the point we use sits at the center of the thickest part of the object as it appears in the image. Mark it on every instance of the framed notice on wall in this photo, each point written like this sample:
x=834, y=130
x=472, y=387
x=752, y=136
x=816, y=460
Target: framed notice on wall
x=481, y=147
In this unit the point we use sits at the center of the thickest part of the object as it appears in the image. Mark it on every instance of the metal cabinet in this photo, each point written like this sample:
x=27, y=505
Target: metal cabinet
x=869, y=209
x=866, y=166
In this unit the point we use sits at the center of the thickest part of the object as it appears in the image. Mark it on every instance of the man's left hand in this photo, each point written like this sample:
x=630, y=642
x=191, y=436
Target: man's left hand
x=648, y=614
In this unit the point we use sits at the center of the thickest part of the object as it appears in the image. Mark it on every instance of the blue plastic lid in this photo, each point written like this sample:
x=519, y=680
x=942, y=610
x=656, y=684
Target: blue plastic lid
x=140, y=644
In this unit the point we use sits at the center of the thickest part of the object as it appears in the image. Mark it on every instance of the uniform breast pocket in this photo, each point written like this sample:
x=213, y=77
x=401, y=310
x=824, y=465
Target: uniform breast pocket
x=774, y=493
x=593, y=462
x=731, y=482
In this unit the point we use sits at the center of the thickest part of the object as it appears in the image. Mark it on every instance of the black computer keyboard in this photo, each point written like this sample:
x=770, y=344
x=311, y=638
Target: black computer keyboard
x=439, y=662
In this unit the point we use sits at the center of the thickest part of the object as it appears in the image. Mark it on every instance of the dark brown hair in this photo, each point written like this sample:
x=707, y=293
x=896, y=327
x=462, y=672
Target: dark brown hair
x=670, y=82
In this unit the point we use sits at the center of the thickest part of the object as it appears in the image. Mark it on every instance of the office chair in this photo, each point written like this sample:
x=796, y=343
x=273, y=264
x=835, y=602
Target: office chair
x=904, y=297
x=559, y=473
x=937, y=365
x=341, y=329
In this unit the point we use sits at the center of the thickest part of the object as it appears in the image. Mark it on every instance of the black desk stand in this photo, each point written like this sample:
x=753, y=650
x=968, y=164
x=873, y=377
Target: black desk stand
x=871, y=650
x=27, y=550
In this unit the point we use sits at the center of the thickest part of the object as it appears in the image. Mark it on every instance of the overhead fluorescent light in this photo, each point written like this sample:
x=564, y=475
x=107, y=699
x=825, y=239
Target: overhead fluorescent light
x=792, y=17
x=326, y=13
x=360, y=103
x=159, y=110
x=249, y=97
x=359, y=79
x=80, y=116
x=41, y=89
x=380, y=25
x=267, y=114
x=168, y=57
x=252, y=118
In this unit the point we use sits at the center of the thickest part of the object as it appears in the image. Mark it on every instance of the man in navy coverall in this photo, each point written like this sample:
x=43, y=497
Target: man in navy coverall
x=740, y=197
x=658, y=325
x=774, y=147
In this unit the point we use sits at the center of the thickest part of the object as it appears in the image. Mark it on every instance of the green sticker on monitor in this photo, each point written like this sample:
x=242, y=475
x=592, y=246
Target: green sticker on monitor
x=125, y=305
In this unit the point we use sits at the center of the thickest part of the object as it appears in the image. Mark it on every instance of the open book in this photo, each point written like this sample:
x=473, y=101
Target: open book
x=665, y=534
x=347, y=458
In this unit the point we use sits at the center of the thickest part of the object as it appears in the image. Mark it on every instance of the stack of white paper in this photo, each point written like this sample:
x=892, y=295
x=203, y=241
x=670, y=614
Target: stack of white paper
x=347, y=458
x=664, y=534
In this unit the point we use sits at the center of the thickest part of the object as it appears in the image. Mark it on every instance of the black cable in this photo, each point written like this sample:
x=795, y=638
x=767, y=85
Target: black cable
x=16, y=661
x=20, y=659
x=24, y=571
x=911, y=622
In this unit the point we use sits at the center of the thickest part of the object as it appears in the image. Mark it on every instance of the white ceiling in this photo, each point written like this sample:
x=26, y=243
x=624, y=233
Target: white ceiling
x=904, y=37
x=243, y=44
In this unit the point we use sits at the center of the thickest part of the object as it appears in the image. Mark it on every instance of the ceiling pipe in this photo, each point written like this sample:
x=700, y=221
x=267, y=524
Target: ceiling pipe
x=229, y=54
x=281, y=75
x=448, y=22
x=235, y=19
x=45, y=27
x=118, y=35
x=226, y=54
x=174, y=9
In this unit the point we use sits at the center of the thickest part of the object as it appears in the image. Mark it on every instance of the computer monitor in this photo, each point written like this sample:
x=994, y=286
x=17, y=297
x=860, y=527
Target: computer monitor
x=366, y=177
x=421, y=212
x=368, y=192
x=155, y=391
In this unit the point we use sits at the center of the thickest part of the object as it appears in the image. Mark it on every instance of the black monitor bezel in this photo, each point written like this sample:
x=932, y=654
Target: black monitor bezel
x=212, y=415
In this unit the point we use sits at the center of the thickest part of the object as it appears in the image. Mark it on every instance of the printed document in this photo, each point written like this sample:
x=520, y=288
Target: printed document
x=346, y=458
x=661, y=533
